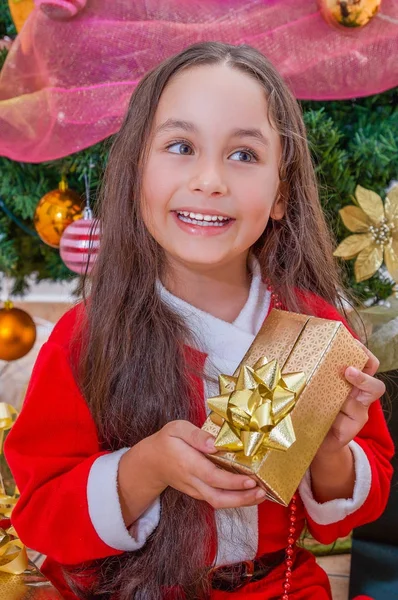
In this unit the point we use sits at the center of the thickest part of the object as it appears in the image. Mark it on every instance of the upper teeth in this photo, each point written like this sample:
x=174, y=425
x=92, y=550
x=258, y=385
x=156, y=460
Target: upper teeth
x=201, y=217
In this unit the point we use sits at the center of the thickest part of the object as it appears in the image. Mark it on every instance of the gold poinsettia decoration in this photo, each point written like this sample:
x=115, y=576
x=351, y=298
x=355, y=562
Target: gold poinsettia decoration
x=376, y=233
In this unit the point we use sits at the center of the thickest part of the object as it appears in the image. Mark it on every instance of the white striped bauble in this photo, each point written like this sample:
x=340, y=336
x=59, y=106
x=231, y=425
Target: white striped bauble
x=80, y=244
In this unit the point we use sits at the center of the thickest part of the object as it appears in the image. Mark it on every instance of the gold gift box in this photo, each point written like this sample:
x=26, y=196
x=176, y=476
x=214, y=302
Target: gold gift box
x=30, y=585
x=320, y=348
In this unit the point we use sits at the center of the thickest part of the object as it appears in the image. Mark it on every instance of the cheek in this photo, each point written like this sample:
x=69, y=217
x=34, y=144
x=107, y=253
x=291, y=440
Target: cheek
x=254, y=215
x=152, y=188
x=255, y=227
x=256, y=207
x=156, y=190
x=257, y=197
x=157, y=169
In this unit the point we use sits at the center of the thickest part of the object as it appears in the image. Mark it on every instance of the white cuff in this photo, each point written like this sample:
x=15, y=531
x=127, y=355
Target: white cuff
x=105, y=511
x=334, y=511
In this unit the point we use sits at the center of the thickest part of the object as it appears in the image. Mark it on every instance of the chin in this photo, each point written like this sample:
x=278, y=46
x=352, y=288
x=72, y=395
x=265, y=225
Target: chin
x=201, y=259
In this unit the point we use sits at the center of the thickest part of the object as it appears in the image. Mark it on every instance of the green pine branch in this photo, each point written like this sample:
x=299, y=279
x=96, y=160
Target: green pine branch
x=23, y=256
x=7, y=26
x=352, y=142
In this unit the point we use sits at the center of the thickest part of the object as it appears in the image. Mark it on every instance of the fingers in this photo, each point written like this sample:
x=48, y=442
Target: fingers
x=373, y=363
x=194, y=464
x=344, y=429
x=215, y=477
x=354, y=410
x=229, y=499
x=352, y=417
x=192, y=435
x=366, y=389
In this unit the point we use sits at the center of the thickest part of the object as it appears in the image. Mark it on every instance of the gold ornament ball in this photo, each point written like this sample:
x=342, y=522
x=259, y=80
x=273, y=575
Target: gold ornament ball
x=55, y=211
x=17, y=332
x=349, y=13
x=20, y=11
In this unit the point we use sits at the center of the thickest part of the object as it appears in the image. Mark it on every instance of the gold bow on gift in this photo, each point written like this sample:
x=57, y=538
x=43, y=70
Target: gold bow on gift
x=254, y=408
x=13, y=557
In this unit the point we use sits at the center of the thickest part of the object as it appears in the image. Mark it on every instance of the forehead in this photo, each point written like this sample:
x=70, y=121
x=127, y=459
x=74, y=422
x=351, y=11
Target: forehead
x=215, y=95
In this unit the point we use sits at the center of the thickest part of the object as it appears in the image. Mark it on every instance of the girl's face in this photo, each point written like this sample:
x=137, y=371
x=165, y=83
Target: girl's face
x=211, y=178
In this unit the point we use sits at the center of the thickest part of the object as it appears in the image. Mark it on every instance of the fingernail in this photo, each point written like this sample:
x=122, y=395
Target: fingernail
x=353, y=371
x=260, y=494
x=210, y=443
x=249, y=483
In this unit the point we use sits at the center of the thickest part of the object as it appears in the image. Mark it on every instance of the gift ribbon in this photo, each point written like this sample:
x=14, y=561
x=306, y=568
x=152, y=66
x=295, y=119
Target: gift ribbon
x=13, y=557
x=253, y=409
x=8, y=414
x=7, y=504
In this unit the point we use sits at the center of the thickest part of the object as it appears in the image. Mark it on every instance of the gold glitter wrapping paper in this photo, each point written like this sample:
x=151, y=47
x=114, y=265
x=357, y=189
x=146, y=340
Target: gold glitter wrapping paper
x=322, y=349
x=31, y=585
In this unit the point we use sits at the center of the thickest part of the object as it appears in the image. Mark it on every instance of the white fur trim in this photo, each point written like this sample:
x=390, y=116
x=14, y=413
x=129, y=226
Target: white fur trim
x=337, y=510
x=220, y=339
x=105, y=511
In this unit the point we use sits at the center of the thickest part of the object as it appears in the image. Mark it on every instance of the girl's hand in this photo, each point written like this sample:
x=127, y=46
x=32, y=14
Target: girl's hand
x=176, y=457
x=354, y=413
x=333, y=468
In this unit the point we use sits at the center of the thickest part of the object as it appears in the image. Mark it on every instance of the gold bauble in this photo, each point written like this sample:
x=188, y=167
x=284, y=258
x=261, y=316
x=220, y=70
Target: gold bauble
x=20, y=11
x=349, y=13
x=55, y=211
x=17, y=332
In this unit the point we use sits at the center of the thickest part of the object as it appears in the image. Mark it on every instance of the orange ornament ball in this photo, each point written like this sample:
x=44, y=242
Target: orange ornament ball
x=349, y=13
x=17, y=332
x=55, y=211
x=20, y=11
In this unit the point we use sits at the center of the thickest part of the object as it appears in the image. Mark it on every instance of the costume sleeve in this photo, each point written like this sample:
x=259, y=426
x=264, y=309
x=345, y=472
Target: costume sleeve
x=338, y=509
x=62, y=474
x=372, y=451
x=337, y=518
x=104, y=507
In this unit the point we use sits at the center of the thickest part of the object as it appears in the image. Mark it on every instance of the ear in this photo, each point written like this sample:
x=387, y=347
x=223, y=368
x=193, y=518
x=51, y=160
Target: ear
x=279, y=206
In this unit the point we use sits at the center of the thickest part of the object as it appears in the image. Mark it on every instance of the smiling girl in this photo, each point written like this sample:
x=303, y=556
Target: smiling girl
x=210, y=217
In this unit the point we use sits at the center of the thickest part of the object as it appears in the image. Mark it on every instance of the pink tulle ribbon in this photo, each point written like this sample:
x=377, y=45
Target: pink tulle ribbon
x=66, y=84
x=61, y=9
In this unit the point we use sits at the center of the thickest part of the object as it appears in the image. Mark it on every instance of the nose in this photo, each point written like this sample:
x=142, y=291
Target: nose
x=209, y=180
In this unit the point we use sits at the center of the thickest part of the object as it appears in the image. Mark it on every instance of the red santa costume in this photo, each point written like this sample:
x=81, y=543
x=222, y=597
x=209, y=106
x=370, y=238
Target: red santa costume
x=69, y=508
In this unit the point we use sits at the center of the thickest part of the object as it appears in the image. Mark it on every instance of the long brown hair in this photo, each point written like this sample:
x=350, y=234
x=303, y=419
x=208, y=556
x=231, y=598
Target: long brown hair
x=133, y=372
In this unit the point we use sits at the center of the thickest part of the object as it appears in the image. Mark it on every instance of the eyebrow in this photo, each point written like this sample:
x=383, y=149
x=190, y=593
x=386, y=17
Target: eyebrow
x=251, y=133
x=171, y=124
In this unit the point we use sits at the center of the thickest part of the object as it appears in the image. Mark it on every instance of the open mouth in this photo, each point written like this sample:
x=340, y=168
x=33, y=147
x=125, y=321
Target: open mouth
x=203, y=220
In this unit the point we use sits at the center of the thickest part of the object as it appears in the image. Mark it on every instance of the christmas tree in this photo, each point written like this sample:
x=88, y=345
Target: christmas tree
x=352, y=142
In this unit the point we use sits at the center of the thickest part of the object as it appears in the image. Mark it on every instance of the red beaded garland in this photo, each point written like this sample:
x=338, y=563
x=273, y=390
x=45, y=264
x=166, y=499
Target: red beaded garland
x=274, y=296
x=275, y=299
x=290, y=548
